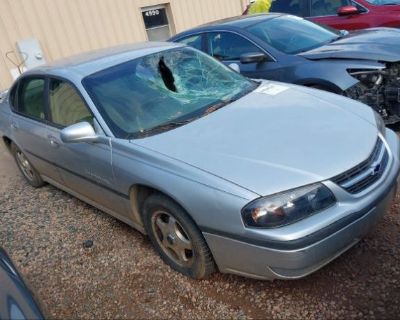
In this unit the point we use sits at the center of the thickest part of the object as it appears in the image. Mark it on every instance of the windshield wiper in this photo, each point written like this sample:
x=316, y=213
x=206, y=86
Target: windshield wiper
x=217, y=106
x=222, y=103
x=158, y=129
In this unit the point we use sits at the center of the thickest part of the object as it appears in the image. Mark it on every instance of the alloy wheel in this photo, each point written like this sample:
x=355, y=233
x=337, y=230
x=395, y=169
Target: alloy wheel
x=172, y=238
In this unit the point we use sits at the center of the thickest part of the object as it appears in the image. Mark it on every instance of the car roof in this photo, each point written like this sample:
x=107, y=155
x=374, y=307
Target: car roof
x=244, y=21
x=234, y=23
x=91, y=62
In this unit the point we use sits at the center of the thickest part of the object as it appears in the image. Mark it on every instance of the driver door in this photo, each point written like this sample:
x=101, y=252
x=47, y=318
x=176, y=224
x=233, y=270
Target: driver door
x=86, y=168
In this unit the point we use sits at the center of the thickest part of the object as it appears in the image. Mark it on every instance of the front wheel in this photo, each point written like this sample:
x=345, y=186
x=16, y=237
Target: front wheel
x=176, y=238
x=28, y=171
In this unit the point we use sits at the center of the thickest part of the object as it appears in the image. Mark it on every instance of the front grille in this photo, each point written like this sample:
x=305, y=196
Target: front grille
x=367, y=172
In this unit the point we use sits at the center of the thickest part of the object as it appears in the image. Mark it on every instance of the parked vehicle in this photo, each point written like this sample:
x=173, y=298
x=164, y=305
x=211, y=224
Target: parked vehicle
x=261, y=179
x=344, y=14
x=364, y=65
x=16, y=301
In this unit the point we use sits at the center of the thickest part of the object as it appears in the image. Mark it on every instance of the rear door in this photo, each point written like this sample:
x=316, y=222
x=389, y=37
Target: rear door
x=29, y=124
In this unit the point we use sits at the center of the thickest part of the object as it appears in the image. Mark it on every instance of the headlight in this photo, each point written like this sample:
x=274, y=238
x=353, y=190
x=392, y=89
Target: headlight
x=370, y=78
x=287, y=207
x=380, y=123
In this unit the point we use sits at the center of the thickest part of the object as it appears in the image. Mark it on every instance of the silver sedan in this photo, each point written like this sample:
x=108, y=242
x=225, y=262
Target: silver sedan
x=256, y=178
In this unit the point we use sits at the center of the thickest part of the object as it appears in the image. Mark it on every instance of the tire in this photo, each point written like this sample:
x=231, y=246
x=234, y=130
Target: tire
x=176, y=238
x=25, y=167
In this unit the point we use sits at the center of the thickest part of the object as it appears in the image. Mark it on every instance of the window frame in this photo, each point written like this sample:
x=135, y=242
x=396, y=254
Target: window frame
x=207, y=35
x=47, y=120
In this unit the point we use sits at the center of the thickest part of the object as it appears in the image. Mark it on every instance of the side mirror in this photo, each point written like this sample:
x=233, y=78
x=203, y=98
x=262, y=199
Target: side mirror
x=80, y=132
x=253, y=57
x=347, y=10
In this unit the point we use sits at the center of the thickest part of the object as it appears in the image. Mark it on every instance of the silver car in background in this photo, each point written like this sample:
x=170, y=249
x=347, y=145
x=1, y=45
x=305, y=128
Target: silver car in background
x=260, y=179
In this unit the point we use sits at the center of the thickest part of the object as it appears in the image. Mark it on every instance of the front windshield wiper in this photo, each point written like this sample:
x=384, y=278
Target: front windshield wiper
x=222, y=103
x=158, y=129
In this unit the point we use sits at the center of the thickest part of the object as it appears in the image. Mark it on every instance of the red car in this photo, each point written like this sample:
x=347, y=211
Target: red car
x=344, y=14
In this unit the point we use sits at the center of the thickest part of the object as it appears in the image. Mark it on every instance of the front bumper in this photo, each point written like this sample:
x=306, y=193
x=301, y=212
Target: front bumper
x=296, y=259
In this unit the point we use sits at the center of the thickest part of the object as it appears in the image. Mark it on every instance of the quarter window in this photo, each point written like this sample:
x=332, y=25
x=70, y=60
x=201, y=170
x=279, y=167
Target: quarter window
x=229, y=46
x=66, y=105
x=193, y=41
x=327, y=7
x=31, y=98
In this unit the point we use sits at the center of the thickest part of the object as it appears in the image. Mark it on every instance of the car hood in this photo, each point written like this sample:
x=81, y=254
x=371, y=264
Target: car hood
x=380, y=44
x=276, y=138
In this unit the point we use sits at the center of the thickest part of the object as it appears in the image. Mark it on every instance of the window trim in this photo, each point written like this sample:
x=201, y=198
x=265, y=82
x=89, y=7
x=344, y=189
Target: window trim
x=13, y=91
x=273, y=59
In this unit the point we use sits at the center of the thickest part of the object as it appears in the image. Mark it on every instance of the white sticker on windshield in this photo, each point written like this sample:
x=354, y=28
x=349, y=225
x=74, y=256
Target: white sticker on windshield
x=271, y=88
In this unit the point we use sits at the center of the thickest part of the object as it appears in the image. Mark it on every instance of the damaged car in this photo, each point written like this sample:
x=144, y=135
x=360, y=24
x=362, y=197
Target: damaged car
x=363, y=65
x=257, y=178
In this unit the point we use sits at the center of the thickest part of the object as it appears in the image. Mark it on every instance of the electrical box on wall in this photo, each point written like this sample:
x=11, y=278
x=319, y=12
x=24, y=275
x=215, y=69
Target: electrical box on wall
x=31, y=53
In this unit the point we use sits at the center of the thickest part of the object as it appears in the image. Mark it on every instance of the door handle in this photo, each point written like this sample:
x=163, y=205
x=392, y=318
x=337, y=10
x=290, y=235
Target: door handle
x=54, y=143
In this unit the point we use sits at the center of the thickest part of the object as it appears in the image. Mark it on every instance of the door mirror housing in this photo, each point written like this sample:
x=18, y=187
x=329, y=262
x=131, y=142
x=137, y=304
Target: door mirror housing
x=347, y=10
x=80, y=132
x=253, y=57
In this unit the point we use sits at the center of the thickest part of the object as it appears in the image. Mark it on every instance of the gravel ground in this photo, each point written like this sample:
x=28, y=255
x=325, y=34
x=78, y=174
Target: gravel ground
x=121, y=277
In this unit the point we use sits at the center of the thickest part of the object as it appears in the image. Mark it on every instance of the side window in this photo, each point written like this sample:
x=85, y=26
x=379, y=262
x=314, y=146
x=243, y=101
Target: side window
x=66, y=106
x=327, y=7
x=295, y=7
x=193, y=41
x=229, y=46
x=31, y=98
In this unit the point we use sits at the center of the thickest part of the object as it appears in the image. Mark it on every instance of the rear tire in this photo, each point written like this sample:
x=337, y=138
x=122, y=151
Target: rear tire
x=176, y=238
x=25, y=167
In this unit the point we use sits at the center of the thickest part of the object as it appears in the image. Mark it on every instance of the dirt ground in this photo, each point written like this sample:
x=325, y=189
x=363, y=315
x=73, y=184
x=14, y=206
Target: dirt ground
x=120, y=276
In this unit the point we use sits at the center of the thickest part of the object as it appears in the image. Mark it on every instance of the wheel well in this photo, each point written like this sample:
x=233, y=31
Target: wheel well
x=138, y=195
x=7, y=141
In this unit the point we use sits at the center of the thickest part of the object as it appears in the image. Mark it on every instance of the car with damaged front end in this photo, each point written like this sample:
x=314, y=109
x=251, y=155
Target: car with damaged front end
x=363, y=65
x=257, y=178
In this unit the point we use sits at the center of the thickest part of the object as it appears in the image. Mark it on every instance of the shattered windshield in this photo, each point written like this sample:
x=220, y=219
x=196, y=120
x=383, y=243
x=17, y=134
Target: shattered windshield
x=162, y=91
x=291, y=34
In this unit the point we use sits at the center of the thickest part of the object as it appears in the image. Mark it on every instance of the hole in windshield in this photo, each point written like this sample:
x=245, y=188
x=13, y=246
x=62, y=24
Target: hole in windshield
x=167, y=75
